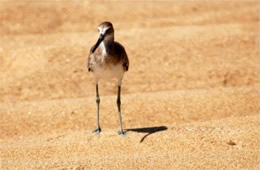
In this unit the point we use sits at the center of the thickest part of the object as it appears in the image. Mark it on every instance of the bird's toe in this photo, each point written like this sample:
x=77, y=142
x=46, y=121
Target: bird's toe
x=97, y=131
x=121, y=132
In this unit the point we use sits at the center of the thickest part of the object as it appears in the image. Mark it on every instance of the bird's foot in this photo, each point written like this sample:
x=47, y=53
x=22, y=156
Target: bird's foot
x=121, y=132
x=97, y=131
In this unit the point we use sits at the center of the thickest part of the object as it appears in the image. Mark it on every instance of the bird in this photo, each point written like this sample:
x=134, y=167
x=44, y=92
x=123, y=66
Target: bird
x=107, y=60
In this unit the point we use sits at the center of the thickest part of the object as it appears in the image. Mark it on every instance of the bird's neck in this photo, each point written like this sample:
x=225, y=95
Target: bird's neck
x=108, y=46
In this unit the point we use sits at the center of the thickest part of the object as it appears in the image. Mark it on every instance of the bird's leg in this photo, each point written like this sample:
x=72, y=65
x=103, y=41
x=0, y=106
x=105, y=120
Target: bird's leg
x=120, y=132
x=98, y=130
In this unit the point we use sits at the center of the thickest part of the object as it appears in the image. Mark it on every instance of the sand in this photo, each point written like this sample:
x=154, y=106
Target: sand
x=190, y=100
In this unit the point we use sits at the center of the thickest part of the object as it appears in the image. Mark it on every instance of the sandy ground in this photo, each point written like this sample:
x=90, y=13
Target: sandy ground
x=191, y=98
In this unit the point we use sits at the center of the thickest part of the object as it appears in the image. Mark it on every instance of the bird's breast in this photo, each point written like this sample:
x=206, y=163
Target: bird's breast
x=107, y=71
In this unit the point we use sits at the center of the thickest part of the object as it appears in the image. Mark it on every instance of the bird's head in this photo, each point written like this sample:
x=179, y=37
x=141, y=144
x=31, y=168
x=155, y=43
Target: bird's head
x=106, y=32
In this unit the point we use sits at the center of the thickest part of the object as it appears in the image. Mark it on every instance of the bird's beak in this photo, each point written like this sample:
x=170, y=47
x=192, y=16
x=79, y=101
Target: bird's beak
x=100, y=39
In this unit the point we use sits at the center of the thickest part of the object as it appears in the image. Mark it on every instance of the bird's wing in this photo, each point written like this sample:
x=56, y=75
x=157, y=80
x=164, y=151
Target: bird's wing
x=123, y=55
x=125, y=62
x=90, y=58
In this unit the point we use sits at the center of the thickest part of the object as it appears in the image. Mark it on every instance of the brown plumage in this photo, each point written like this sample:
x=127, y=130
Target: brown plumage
x=115, y=52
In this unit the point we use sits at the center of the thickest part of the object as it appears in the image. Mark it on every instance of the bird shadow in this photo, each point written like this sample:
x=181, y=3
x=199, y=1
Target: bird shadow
x=148, y=130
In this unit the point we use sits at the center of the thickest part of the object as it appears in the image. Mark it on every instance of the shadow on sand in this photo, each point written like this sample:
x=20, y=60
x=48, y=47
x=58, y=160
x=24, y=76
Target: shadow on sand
x=148, y=130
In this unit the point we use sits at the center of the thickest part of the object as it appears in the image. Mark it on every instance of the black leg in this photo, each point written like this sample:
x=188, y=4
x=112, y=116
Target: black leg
x=98, y=130
x=121, y=132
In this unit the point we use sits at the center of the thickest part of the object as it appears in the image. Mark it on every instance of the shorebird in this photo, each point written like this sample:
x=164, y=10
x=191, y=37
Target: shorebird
x=107, y=60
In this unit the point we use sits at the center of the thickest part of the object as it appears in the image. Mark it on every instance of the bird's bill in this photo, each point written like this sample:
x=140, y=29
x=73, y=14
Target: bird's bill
x=100, y=39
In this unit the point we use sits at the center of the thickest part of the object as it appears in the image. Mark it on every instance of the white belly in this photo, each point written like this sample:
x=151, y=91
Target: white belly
x=108, y=72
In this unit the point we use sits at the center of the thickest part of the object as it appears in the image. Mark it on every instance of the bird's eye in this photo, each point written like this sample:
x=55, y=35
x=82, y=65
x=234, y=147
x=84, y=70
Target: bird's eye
x=109, y=30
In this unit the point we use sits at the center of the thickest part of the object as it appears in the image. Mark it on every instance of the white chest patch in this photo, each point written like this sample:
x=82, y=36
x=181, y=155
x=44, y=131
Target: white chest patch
x=103, y=49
